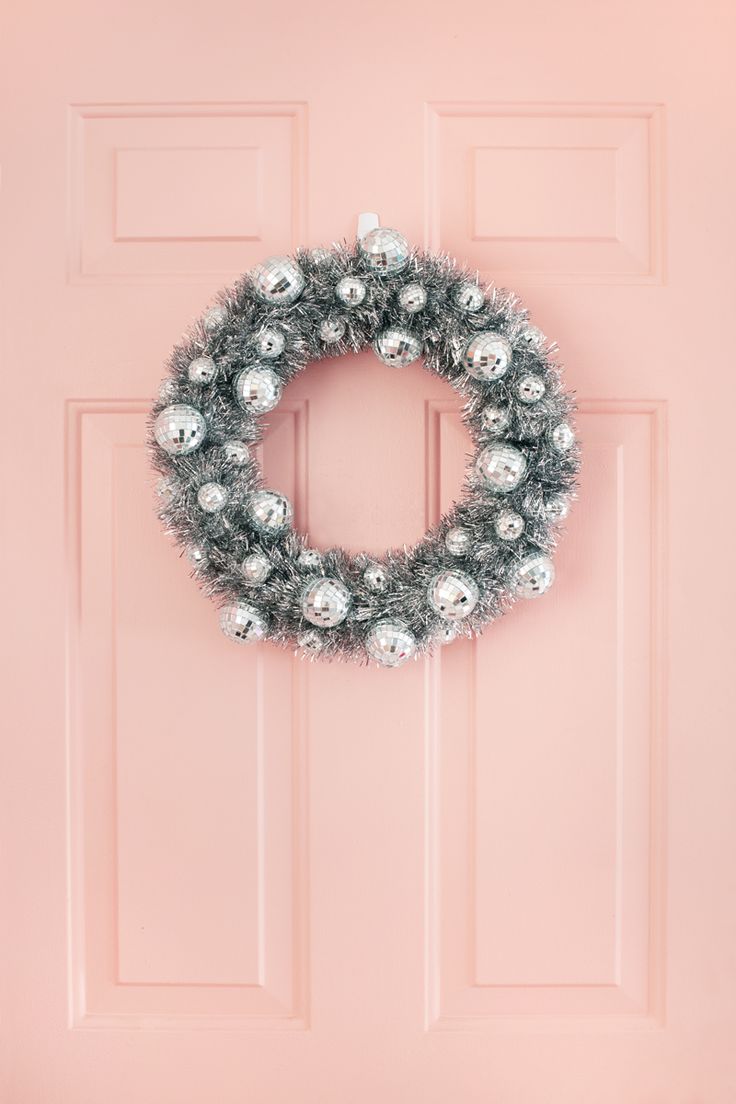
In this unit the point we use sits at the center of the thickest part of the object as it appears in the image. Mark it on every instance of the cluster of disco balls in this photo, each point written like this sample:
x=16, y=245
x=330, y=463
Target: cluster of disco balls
x=325, y=601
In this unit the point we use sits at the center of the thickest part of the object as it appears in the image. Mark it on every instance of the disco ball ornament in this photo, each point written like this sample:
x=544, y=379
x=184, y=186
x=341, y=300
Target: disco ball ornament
x=469, y=297
x=534, y=576
x=319, y=254
x=331, y=330
x=351, y=291
x=385, y=251
x=214, y=317
x=278, y=280
x=445, y=634
x=390, y=643
x=179, y=429
x=310, y=643
x=487, y=356
x=412, y=298
x=325, y=603
x=242, y=622
x=196, y=554
x=167, y=390
x=495, y=418
x=502, y=467
x=269, y=512
x=458, y=541
x=375, y=578
x=453, y=594
x=212, y=497
x=255, y=568
x=557, y=508
x=257, y=389
x=533, y=337
x=397, y=348
x=530, y=388
x=202, y=370
x=508, y=525
x=166, y=490
x=563, y=437
x=270, y=343
x=309, y=559
x=236, y=452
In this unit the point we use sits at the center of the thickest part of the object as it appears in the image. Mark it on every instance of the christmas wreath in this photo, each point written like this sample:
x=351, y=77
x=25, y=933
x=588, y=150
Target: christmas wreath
x=491, y=548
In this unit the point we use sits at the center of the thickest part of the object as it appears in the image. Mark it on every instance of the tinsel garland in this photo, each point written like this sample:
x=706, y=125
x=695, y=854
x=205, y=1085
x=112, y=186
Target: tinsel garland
x=258, y=569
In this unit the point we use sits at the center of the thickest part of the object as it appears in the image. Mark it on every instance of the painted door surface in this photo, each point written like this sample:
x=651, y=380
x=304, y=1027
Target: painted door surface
x=503, y=875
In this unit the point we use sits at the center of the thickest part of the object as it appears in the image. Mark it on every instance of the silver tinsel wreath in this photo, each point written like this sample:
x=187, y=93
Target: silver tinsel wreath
x=492, y=547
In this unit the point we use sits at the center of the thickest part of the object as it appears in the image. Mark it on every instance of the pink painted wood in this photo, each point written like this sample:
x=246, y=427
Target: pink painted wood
x=503, y=875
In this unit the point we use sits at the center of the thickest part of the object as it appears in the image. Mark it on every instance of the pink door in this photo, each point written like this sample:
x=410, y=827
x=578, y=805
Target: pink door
x=502, y=876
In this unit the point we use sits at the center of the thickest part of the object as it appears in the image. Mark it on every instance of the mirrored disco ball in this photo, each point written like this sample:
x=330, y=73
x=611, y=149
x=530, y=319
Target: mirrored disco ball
x=375, y=577
x=278, y=280
x=385, y=251
x=445, y=634
x=212, y=497
x=563, y=437
x=557, y=508
x=214, y=317
x=509, y=525
x=351, y=291
x=270, y=343
x=166, y=489
x=469, y=297
x=502, y=467
x=487, y=356
x=202, y=370
x=397, y=348
x=179, y=429
x=326, y=602
x=310, y=643
x=269, y=512
x=236, y=452
x=309, y=559
x=453, y=594
x=530, y=388
x=331, y=330
x=495, y=418
x=242, y=622
x=196, y=555
x=167, y=390
x=257, y=389
x=458, y=541
x=534, y=576
x=390, y=643
x=255, y=568
x=412, y=298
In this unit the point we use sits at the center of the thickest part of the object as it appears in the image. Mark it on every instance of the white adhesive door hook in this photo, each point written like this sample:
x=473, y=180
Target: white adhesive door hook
x=367, y=221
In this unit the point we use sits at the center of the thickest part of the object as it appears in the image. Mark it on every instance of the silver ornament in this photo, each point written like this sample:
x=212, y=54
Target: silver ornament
x=412, y=298
x=242, y=622
x=458, y=541
x=269, y=512
x=487, y=356
x=351, y=291
x=326, y=602
x=385, y=251
x=495, y=418
x=502, y=467
x=270, y=343
x=196, y=555
x=534, y=576
x=255, y=568
x=375, y=577
x=179, y=429
x=212, y=497
x=397, y=348
x=310, y=643
x=331, y=330
x=319, y=254
x=563, y=437
x=533, y=337
x=236, y=452
x=530, y=388
x=214, y=317
x=453, y=594
x=166, y=489
x=309, y=559
x=167, y=390
x=278, y=280
x=469, y=297
x=557, y=508
x=257, y=389
x=509, y=525
x=390, y=643
x=202, y=370
x=445, y=634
